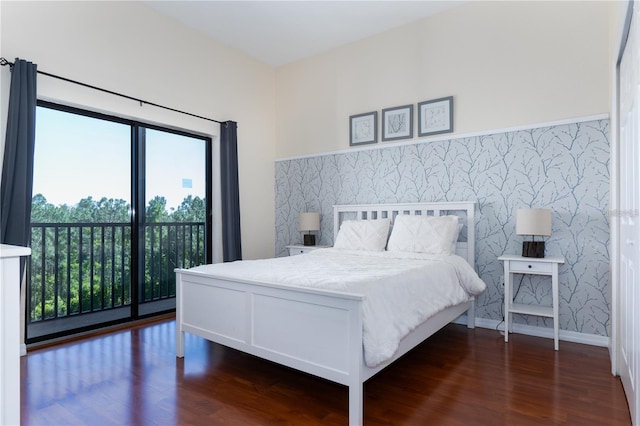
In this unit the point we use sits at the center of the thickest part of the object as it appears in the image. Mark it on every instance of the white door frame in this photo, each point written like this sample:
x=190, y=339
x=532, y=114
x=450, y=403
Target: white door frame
x=619, y=40
x=617, y=362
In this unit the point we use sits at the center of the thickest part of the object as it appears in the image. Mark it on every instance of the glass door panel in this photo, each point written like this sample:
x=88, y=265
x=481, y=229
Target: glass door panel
x=81, y=223
x=174, y=222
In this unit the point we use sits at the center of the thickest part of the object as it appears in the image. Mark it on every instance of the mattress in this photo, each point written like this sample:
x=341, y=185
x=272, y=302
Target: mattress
x=401, y=290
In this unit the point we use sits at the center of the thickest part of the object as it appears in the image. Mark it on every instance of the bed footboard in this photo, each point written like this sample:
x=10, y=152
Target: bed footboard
x=318, y=332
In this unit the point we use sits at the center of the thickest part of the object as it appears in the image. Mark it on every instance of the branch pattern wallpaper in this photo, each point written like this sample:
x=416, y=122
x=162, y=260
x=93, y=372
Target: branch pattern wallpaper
x=564, y=168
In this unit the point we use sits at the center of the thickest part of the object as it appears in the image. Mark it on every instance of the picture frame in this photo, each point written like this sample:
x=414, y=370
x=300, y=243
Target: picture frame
x=397, y=123
x=363, y=128
x=435, y=116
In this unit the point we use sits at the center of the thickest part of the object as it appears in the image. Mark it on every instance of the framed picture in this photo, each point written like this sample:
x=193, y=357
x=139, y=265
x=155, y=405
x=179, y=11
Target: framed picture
x=435, y=116
x=363, y=128
x=397, y=123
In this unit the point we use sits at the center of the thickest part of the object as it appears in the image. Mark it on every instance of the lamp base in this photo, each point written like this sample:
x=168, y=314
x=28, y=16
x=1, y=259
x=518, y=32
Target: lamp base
x=533, y=249
x=309, y=239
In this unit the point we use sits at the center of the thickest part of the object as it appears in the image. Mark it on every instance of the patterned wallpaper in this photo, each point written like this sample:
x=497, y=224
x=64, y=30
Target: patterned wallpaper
x=563, y=167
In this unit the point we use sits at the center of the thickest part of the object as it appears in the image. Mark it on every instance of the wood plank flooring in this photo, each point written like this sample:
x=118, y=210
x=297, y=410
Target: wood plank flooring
x=457, y=377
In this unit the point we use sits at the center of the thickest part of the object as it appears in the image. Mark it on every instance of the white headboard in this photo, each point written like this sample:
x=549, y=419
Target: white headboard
x=465, y=209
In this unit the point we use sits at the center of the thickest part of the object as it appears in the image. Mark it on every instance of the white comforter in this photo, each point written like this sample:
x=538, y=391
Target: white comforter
x=401, y=290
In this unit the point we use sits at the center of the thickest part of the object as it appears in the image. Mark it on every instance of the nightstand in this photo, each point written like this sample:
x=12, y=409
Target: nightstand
x=300, y=249
x=548, y=266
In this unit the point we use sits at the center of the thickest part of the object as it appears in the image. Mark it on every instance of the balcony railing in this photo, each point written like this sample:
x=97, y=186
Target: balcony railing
x=81, y=268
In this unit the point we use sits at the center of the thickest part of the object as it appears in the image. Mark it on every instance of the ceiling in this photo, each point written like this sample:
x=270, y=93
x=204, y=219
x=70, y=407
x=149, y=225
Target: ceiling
x=279, y=32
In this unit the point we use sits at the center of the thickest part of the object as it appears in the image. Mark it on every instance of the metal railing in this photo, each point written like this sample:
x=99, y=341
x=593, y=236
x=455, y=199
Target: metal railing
x=80, y=268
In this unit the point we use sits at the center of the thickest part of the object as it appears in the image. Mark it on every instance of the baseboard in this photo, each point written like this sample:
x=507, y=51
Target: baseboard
x=567, y=336
x=23, y=349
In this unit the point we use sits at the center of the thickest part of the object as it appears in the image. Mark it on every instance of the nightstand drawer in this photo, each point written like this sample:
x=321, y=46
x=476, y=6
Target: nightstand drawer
x=296, y=249
x=519, y=266
x=293, y=251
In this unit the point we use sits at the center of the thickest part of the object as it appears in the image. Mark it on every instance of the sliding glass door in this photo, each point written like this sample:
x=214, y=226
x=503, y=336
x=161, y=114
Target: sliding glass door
x=117, y=206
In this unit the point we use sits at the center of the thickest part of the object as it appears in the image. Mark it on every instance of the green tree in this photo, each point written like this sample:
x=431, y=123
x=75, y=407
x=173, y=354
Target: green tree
x=44, y=212
x=157, y=210
x=192, y=209
x=112, y=210
x=105, y=210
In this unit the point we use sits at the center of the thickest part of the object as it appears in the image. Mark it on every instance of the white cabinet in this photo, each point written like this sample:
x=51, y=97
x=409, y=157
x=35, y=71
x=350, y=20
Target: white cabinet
x=10, y=333
x=548, y=266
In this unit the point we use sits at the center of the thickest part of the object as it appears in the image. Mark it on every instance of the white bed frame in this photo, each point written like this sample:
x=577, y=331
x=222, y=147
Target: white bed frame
x=315, y=331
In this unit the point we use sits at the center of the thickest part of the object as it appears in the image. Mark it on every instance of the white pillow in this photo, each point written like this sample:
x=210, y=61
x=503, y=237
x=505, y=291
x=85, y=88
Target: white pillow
x=370, y=235
x=424, y=234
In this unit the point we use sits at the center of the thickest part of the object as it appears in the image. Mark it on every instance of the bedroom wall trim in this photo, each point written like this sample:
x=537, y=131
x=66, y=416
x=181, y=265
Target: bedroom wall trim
x=530, y=330
x=603, y=116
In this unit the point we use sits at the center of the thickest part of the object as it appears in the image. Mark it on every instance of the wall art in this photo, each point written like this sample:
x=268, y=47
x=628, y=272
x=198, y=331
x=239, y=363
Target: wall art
x=363, y=128
x=397, y=123
x=435, y=116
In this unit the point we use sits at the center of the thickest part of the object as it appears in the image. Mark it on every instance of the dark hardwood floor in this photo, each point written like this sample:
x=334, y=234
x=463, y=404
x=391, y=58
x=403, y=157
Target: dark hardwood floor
x=457, y=377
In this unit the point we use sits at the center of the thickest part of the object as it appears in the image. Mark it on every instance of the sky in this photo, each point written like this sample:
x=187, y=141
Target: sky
x=78, y=156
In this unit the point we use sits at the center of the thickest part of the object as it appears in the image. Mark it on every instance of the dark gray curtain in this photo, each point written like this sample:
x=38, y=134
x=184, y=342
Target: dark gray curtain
x=17, y=167
x=230, y=193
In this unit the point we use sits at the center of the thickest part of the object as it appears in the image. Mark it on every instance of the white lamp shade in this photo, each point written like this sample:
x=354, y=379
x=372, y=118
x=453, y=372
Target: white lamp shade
x=533, y=222
x=309, y=222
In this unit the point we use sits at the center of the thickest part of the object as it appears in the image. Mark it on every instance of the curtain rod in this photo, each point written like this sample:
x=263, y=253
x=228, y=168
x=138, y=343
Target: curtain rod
x=4, y=62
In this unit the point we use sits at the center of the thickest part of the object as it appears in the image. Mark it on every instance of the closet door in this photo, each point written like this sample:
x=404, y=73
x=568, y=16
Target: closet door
x=629, y=294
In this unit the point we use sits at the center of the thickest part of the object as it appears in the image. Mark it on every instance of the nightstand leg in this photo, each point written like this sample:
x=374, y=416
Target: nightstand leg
x=507, y=300
x=554, y=288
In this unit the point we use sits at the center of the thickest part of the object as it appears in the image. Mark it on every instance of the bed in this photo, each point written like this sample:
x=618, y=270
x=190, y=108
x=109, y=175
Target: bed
x=321, y=331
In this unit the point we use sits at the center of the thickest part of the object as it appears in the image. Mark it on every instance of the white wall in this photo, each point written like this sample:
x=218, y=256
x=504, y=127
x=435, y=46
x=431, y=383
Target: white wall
x=506, y=64
x=129, y=48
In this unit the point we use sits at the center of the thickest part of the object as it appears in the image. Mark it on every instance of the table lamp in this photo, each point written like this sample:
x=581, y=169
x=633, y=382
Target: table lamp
x=308, y=222
x=533, y=222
